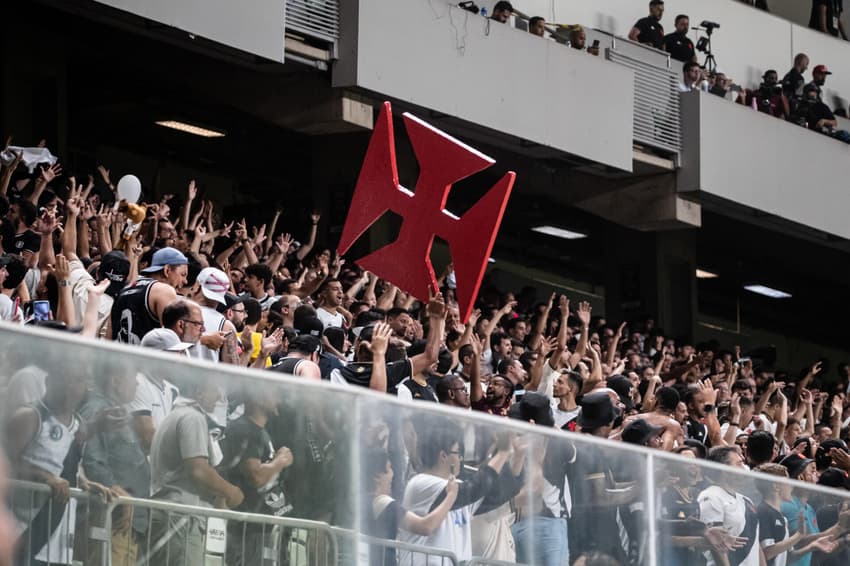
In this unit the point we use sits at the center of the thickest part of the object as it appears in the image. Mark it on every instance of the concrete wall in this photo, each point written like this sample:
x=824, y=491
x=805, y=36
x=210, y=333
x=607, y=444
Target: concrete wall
x=749, y=158
x=748, y=42
x=255, y=26
x=446, y=59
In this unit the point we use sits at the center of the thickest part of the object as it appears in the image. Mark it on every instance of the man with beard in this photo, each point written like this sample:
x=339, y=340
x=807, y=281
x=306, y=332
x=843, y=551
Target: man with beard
x=497, y=399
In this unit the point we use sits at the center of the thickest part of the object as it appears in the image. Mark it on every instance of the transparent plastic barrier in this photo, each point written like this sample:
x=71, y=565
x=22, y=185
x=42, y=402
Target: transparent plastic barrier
x=380, y=470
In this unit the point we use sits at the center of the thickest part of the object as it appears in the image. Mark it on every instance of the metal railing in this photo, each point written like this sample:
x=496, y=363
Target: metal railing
x=51, y=532
x=656, y=104
x=405, y=554
x=318, y=19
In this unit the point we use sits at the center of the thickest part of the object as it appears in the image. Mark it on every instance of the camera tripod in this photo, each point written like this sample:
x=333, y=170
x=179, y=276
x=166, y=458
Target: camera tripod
x=710, y=63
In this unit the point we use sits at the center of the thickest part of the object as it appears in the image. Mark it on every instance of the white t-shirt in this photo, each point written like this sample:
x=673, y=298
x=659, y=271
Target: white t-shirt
x=81, y=282
x=153, y=399
x=716, y=505
x=329, y=319
x=7, y=310
x=547, y=380
x=454, y=533
x=563, y=417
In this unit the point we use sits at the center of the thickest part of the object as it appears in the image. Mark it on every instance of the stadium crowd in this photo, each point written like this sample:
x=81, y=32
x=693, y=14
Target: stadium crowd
x=175, y=276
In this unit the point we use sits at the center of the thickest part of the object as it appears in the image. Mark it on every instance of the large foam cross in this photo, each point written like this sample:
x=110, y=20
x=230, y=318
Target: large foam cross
x=443, y=161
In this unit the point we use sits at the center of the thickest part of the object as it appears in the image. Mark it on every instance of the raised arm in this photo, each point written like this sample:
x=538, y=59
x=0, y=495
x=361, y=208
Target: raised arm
x=436, y=328
x=612, y=347
x=378, y=346
x=45, y=177
x=583, y=313
x=191, y=193
x=540, y=326
x=304, y=250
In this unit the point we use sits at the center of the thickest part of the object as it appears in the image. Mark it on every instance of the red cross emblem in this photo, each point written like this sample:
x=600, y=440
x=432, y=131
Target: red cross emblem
x=443, y=161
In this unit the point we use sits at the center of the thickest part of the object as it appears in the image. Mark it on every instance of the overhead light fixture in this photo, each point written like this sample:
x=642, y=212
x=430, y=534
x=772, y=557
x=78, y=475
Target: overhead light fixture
x=191, y=129
x=559, y=232
x=767, y=291
x=703, y=274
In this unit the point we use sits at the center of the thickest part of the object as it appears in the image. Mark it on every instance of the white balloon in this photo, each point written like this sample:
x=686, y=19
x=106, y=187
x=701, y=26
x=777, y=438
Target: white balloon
x=129, y=188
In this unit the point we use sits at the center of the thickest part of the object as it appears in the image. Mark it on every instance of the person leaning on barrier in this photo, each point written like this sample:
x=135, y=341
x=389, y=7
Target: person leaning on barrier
x=383, y=516
x=502, y=11
x=115, y=459
x=597, y=495
x=578, y=40
x=44, y=442
x=678, y=44
x=537, y=26
x=439, y=448
x=649, y=30
x=183, y=459
x=253, y=464
x=722, y=505
x=540, y=530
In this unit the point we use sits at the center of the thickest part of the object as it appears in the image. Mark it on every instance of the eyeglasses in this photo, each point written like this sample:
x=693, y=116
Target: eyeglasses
x=234, y=310
x=190, y=321
x=455, y=452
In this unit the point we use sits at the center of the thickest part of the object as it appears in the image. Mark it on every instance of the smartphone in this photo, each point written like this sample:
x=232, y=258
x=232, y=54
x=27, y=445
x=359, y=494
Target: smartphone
x=41, y=310
x=595, y=44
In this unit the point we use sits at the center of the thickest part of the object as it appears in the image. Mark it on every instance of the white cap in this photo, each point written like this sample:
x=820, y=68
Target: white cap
x=164, y=339
x=214, y=284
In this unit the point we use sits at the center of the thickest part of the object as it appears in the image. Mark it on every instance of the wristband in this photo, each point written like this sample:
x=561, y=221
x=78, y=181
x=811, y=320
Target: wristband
x=708, y=408
x=65, y=283
x=736, y=425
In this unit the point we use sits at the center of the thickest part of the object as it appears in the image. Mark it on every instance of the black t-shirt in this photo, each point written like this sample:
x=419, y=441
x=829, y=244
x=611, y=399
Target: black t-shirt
x=792, y=84
x=421, y=392
x=679, y=46
x=651, y=32
x=818, y=111
x=834, y=9
x=773, y=528
x=245, y=440
x=360, y=373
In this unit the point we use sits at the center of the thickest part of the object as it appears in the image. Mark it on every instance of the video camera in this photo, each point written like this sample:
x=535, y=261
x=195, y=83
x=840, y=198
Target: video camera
x=709, y=26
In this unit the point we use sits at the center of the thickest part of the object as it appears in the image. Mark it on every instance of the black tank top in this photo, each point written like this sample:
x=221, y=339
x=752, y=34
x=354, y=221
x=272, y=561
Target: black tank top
x=287, y=365
x=131, y=314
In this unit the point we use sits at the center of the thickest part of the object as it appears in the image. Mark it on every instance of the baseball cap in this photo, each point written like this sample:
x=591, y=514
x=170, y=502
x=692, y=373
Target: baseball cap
x=116, y=267
x=214, y=284
x=164, y=339
x=821, y=69
x=596, y=410
x=640, y=432
x=166, y=256
x=795, y=464
x=311, y=326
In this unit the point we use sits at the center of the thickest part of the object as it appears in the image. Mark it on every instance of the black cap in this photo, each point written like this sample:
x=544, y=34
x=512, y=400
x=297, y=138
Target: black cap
x=811, y=87
x=116, y=267
x=596, y=410
x=796, y=464
x=640, y=432
x=310, y=326
x=623, y=386
x=306, y=344
x=535, y=407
